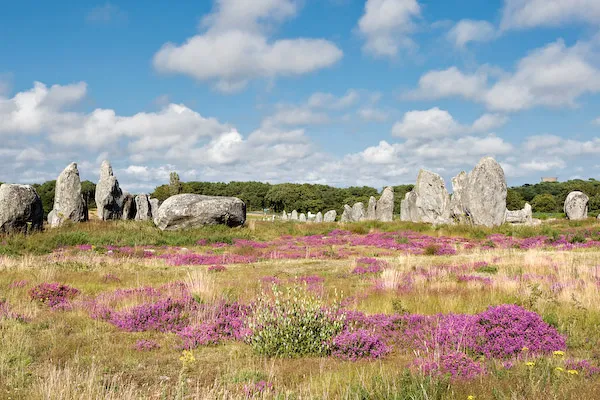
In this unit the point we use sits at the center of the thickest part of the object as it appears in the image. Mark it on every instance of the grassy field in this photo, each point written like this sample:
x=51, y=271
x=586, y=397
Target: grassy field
x=301, y=311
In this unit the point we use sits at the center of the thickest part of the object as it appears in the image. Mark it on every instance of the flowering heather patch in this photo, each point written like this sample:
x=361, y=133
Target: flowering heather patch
x=18, y=284
x=456, y=364
x=365, y=265
x=257, y=389
x=216, y=268
x=206, y=259
x=7, y=313
x=54, y=295
x=359, y=344
x=146, y=345
x=583, y=366
x=164, y=316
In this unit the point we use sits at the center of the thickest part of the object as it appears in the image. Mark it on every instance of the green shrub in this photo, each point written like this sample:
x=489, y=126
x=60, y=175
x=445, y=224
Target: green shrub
x=292, y=323
x=488, y=269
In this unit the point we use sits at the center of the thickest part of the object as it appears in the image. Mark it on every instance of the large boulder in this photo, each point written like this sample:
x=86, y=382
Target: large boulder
x=371, y=209
x=485, y=196
x=319, y=217
x=294, y=216
x=109, y=196
x=347, y=214
x=524, y=216
x=408, y=208
x=457, y=200
x=129, y=208
x=144, y=210
x=576, y=205
x=330, y=216
x=433, y=200
x=358, y=212
x=21, y=209
x=302, y=217
x=69, y=203
x=385, y=206
x=194, y=210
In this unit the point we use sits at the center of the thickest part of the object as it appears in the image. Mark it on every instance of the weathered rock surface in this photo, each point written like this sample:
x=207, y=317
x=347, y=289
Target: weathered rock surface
x=371, y=209
x=284, y=216
x=347, y=214
x=109, y=197
x=433, y=200
x=302, y=217
x=457, y=200
x=194, y=210
x=576, y=205
x=524, y=216
x=129, y=207
x=408, y=208
x=294, y=216
x=154, y=206
x=319, y=217
x=485, y=196
x=69, y=203
x=358, y=212
x=144, y=209
x=330, y=216
x=385, y=206
x=21, y=209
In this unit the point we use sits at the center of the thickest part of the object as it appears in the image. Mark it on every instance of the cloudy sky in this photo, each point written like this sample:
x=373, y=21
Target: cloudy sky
x=342, y=92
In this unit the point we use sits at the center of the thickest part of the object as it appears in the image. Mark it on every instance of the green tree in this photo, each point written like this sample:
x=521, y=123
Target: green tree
x=544, y=203
x=514, y=200
x=88, y=189
x=46, y=193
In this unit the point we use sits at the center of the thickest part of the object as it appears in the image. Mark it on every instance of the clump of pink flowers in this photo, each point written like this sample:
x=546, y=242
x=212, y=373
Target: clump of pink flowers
x=54, y=295
x=146, y=345
x=359, y=344
x=216, y=268
x=7, y=313
x=257, y=388
x=456, y=364
x=365, y=265
x=18, y=284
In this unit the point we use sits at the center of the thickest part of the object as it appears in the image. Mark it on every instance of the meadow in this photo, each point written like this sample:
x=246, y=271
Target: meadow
x=121, y=310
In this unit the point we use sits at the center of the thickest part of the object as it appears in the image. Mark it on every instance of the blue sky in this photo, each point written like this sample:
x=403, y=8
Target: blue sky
x=342, y=92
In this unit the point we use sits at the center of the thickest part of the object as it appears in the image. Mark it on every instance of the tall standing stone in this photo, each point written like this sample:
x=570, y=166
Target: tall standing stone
x=302, y=217
x=408, y=208
x=358, y=212
x=144, y=210
x=319, y=217
x=485, y=196
x=330, y=216
x=433, y=200
x=371, y=209
x=347, y=214
x=457, y=200
x=21, y=209
x=69, y=203
x=284, y=216
x=109, y=197
x=154, y=207
x=294, y=216
x=129, y=208
x=576, y=205
x=385, y=206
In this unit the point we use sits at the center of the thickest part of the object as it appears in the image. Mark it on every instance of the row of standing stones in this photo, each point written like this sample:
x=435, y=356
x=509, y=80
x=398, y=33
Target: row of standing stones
x=478, y=198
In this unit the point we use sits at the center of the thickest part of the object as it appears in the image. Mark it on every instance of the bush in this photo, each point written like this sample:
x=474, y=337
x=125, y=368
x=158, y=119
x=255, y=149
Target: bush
x=544, y=203
x=54, y=295
x=293, y=323
x=359, y=344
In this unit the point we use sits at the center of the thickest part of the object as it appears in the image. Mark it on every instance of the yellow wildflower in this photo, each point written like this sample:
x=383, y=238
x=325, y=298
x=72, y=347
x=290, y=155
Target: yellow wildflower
x=470, y=397
x=525, y=349
x=559, y=353
x=530, y=363
x=573, y=372
x=559, y=369
x=187, y=357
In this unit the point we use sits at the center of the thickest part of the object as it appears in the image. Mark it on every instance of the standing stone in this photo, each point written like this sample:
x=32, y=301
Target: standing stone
x=21, y=209
x=109, y=197
x=408, y=208
x=347, y=214
x=144, y=210
x=524, y=216
x=371, y=209
x=433, y=200
x=284, y=216
x=330, y=216
x=457, y=200
x=302, y=217
x=194, y=210
x=319, y=217
x=485, y=196
x=576, y=206
x=385, y=206
x=294, y=216
x=154, y=206
x=129, y=208
x=69, y=203
x=358, y=212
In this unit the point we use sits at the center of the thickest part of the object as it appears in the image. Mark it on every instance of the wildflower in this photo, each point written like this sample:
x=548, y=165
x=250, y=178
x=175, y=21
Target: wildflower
x=559, y=369
x=559, y=353
x=187, y=358
x=530, y=364
x=573, y=372
x=525, y=349
x=471, y=397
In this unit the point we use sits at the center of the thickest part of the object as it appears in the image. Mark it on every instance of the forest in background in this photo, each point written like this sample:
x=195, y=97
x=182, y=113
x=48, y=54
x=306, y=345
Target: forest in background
x=544, y=197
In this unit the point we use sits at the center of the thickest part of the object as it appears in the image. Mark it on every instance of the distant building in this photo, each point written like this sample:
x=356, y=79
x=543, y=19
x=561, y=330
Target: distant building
x=550, y=179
